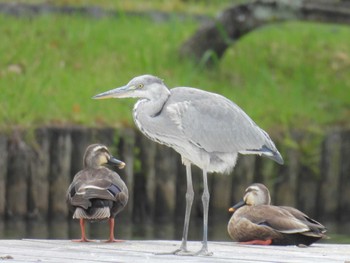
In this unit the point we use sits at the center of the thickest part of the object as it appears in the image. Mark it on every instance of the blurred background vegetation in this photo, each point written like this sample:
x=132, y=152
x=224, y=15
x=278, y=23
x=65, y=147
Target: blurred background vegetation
x=284, y=76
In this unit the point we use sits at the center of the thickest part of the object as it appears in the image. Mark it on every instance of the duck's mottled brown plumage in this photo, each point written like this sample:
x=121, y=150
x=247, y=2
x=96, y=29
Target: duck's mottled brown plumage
x=255, y=219
x=96, y=192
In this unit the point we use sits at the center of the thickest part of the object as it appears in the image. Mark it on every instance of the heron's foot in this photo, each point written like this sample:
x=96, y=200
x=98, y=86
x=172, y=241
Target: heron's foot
x=203, y=252
x=182, y=251
x=112, y=240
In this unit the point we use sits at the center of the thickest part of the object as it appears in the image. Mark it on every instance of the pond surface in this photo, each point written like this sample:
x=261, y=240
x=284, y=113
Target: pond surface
x=126, y=231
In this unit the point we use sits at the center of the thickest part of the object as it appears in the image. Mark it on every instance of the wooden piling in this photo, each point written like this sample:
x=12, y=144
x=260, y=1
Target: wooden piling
x=38, y=187
x=81, y=139
x=241, y=177
x=145, y=162
x=327, y=204
x=60, y=167
x=165, y=182
x=344, y=185
x=17, y=178
x=287, y=178
x=3, y=173
x=125, y=150
x=35, y=174
x=220, y=198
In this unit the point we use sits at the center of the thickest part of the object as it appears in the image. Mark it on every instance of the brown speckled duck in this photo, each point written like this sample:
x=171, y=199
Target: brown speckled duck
x=97, y=193
x=255, y=221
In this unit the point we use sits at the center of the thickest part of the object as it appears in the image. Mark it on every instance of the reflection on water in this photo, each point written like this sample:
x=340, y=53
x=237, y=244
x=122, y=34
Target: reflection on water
x=99, y=230
x=127, y=231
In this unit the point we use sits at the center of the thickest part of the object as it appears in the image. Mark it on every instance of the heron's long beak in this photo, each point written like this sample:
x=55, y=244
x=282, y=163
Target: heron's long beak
x=115, y=161
x=236, y=206
x=121, y=92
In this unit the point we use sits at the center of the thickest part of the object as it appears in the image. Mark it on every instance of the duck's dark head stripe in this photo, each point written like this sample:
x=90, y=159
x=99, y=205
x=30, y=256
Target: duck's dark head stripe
x=114, y=189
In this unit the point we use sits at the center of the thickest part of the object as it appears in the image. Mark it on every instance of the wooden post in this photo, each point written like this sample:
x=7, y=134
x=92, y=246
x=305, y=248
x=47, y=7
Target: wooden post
x=241, y=177
x=59, y=178
x=286, y=179
x=126, y=154
x=343, y=213
x=309, y=172
x=327, y=205
x=3, y=173
x=81, y=139
x=220, y=198
x=38, y=192
x=17, y=178
x=145, y=182
x=165, y=181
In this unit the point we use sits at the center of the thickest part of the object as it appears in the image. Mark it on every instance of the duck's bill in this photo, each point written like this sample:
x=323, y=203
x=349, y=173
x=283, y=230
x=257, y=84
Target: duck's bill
x=236, y=206
x=115, y=161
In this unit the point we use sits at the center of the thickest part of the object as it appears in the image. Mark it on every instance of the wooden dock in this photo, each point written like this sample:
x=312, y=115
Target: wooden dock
x=42, y=250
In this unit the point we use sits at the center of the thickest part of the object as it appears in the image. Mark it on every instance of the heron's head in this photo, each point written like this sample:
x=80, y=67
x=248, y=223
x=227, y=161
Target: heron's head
x=255, y=194
x=145, y=86
x=97, y=155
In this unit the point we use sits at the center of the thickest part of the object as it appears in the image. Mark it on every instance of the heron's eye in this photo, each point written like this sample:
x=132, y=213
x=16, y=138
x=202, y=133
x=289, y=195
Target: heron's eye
x=140, y=86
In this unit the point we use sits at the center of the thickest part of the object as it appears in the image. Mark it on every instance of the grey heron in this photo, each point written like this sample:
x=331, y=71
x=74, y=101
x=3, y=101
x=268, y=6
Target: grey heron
x=97, y=193
x=206, y=129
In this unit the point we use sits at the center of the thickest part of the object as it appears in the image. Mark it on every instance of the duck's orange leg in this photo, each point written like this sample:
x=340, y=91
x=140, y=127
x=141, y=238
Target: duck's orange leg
x=257, y=242
x=111, y=232
x=82, y=228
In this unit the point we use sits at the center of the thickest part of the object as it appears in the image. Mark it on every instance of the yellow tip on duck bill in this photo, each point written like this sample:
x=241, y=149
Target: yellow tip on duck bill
x=231, y=209
x=115, y=161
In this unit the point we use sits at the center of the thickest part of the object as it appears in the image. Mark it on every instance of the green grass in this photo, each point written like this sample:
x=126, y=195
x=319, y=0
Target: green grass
x=287, y=75
x=208, y=7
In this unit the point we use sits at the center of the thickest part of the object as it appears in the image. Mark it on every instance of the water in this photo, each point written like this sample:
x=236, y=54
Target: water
x=99, y=230
x=128, y=231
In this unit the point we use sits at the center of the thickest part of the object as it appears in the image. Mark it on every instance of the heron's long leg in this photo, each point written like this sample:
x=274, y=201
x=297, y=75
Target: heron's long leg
x=205, y=201
x=189, y=201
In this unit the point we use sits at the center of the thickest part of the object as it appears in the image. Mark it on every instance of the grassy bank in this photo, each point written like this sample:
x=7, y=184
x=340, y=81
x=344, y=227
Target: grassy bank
x=287, y=75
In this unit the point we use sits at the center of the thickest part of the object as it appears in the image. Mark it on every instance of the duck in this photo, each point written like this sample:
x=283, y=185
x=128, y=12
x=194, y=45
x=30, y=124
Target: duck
x=97, y=193
x=256, y=222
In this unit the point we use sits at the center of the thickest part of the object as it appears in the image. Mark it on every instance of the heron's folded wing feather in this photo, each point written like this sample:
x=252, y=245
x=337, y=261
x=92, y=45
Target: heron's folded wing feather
x=217, y=125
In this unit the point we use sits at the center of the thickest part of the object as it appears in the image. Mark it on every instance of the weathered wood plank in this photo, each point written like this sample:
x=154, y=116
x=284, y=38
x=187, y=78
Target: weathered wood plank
x=36, y=250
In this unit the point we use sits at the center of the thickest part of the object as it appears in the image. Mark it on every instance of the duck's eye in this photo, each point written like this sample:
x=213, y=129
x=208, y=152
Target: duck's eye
x=140, y=86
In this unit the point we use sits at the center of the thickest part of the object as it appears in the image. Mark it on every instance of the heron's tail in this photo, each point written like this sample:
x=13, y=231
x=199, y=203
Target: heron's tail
x=273, y=155
x=267, y=152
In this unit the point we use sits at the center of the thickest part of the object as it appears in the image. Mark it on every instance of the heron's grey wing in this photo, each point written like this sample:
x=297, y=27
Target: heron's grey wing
x=215, y=123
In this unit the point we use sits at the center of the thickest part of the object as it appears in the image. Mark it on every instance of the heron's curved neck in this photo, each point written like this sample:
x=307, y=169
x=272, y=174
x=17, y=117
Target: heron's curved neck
x=146, y=110
x=151, y=107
